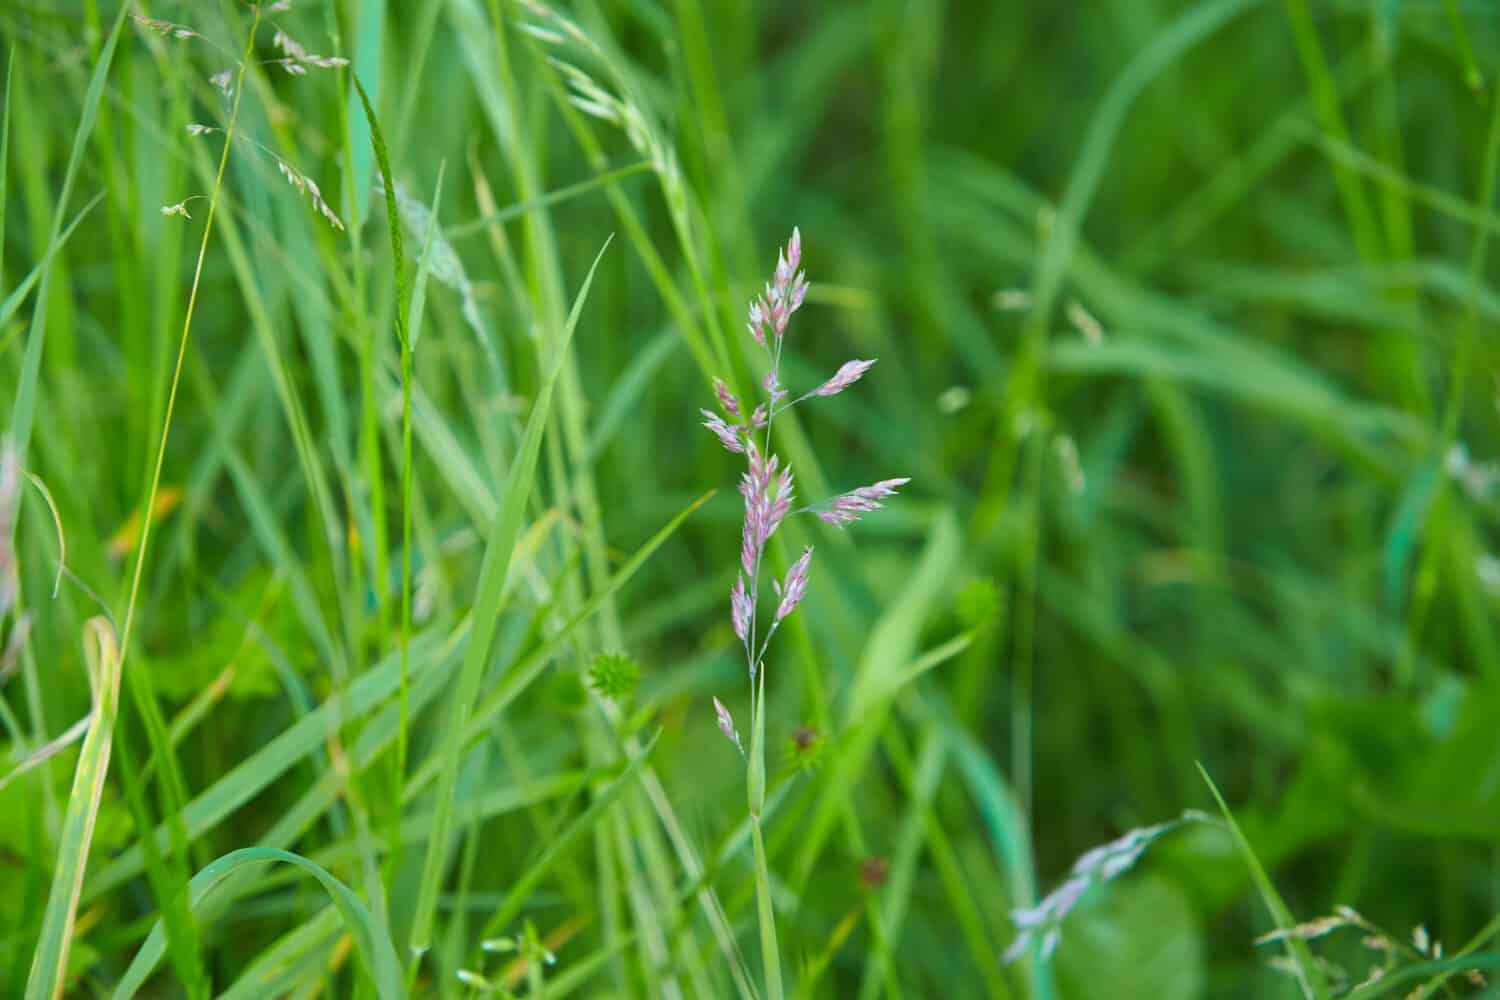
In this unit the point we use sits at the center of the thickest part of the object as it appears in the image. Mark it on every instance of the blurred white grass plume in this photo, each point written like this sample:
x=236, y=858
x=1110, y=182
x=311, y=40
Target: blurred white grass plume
x=1042, y=923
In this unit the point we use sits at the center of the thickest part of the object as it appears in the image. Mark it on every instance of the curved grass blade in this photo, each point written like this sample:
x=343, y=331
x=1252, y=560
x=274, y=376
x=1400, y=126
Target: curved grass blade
x=49, y=963
x=375, y=950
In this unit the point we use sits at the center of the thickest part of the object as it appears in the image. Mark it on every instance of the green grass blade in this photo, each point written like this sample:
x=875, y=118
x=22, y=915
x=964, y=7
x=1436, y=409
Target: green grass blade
x=492, y=575
x=1008, y=833
x=17, y=295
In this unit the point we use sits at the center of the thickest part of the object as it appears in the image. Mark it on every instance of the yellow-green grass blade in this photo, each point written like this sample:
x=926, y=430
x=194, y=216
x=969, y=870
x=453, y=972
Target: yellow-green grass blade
x=492, y=575
x=49, y=963
x=376, y=953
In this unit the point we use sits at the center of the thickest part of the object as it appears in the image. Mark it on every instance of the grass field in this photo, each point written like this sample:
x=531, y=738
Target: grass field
x=366, y=575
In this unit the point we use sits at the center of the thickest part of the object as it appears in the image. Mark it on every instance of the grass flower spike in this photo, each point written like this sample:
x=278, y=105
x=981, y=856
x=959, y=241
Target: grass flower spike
x=766, y=486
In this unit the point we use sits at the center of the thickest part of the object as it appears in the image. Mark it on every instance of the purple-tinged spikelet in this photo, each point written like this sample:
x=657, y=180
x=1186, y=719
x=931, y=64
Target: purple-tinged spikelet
x=846, y=376
x=727, y=399
x=783, y=296
x=847, y=508
x=726, y=724
x=795, y=586
x=772, y=384
x=740, y=608
x=757, y=324
x=726, y=434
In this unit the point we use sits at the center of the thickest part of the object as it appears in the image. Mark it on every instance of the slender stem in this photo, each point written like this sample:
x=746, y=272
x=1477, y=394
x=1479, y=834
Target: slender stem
x=406, y=581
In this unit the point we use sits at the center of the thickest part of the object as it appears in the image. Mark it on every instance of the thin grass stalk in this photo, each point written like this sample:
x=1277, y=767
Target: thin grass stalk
x=756, y=782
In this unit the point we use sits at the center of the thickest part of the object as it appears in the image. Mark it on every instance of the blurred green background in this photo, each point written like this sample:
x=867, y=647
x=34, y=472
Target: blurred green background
x=1185, y=326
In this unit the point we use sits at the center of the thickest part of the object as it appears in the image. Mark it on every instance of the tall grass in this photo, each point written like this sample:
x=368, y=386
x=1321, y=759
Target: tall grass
x=1183, y=314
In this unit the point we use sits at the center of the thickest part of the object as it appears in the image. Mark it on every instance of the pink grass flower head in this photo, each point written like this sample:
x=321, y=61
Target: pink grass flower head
x=783, y=295
x=727, y=400
x=796, y=585
x=767, y=482
x=847, y=508
x=846, y=376
x=728, y=436
x=757, y=324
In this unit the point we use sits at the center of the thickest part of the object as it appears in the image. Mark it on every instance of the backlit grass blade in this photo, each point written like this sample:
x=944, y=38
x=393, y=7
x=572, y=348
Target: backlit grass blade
x=376, y=954
x=49, y=963
x=486, y=611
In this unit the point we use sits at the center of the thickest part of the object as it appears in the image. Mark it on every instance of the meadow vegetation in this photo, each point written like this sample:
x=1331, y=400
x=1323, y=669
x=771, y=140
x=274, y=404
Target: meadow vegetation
x=373, y=619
